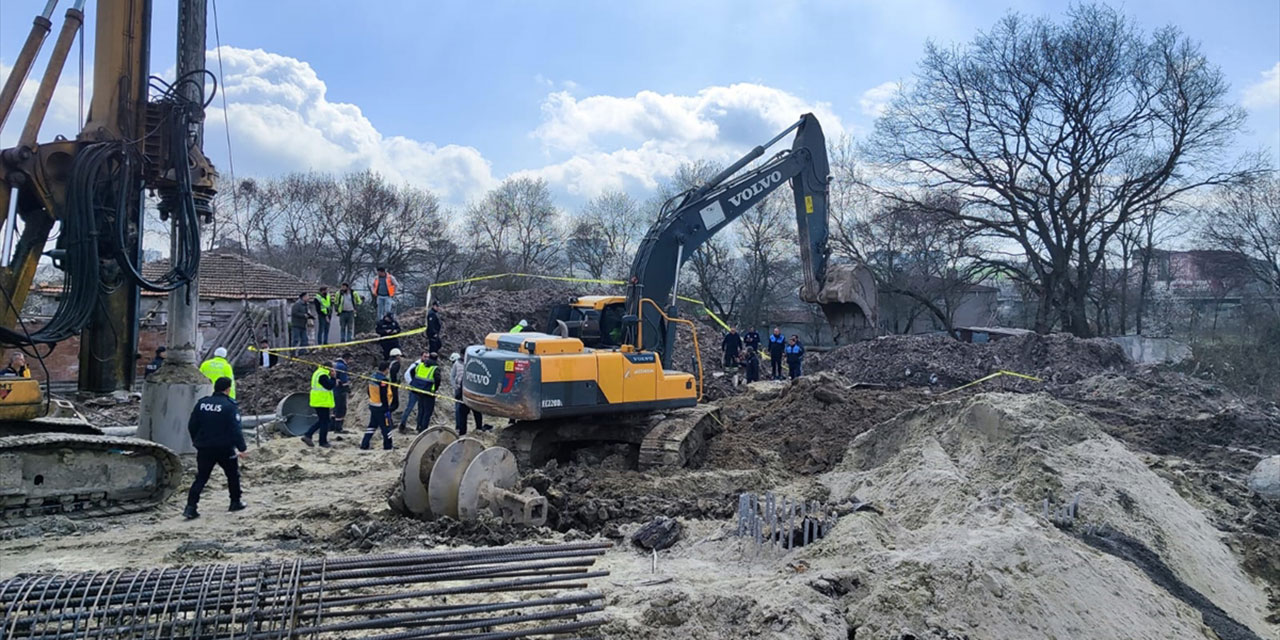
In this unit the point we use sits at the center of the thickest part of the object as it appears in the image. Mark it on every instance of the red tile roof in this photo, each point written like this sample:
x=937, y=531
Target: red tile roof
x=233, y=276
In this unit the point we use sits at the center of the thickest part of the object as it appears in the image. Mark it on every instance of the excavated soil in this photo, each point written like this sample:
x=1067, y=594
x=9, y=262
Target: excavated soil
x=1174, y=414
x=937, y=360
x=803, y=425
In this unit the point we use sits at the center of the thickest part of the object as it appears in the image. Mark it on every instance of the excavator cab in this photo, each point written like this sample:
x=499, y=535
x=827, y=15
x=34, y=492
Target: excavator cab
x=595, y=320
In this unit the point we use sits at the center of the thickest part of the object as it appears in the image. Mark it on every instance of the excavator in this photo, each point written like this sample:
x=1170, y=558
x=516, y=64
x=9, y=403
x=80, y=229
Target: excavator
x=603, y=376
x=139, y=134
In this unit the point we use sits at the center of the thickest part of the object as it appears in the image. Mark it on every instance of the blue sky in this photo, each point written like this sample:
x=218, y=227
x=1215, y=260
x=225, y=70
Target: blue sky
x=591, y=95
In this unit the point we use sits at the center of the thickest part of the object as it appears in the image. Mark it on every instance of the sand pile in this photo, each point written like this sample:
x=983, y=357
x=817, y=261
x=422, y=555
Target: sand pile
x=805, y=425
x=963, y=548
x=941, y=361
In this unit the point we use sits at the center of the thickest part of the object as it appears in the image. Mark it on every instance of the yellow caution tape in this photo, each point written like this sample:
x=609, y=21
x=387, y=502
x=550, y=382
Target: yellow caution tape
x=356, y=375
x=993, y=376
x=335, y=345
x=524, y=275
x=708, y=311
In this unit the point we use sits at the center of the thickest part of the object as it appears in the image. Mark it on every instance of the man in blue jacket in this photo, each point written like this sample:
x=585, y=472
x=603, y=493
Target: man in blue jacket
x=215, y=431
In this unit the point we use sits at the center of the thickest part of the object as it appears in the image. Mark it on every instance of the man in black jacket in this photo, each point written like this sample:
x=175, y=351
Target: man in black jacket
x=388, y=326
x=215, y=431
x=751, y=339
x=433, y=328
x=750, y=363
x=732, y=344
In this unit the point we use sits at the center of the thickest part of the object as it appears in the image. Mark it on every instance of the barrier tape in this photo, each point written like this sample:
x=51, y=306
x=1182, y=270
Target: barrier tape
x=991, y=377
x=351, y=374
x=335, y=345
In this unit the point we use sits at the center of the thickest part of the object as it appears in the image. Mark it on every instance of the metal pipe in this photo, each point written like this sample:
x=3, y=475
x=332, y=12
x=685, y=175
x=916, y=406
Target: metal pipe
x=22, y=65
x=44, y=95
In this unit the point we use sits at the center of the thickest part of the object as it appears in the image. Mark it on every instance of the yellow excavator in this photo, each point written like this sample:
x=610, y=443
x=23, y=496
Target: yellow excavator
x=600, y=372
x=139, y=134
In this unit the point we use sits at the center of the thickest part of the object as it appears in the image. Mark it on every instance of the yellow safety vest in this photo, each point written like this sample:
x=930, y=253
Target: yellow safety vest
x=356, y=300
x=321, y=397
x=424, y=372
x=215, y=368
x=516, y=329
x=324, y=304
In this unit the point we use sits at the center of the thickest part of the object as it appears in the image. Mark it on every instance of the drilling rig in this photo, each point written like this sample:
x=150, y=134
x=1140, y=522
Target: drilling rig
x=141, y=133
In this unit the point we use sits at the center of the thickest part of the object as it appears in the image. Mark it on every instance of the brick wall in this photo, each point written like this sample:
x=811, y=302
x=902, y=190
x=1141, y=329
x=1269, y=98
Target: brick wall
x=64, y=362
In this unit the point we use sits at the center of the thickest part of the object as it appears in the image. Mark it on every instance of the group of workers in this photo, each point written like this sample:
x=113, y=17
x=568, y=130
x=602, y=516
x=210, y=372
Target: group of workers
x=743, y=351
x=319, y=309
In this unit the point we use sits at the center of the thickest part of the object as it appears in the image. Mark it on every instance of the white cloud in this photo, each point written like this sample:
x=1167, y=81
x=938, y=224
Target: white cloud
x=282, y=121
x=620, y=141
x=1266, y=92
x=62, y=118
x=877, y=98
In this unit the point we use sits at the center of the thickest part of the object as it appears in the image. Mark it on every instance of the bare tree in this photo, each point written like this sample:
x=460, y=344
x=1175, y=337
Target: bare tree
x=516, y=227
x=603, y=235
x=1245, y=219
x=769, y=256
x=1056, y=136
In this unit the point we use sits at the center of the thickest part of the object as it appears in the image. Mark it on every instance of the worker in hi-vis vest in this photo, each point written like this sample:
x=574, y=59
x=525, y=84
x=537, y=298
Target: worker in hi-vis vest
x=218, y=367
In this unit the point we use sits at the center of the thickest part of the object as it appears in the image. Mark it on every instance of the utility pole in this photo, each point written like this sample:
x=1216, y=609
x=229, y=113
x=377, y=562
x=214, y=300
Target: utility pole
x=172, y=392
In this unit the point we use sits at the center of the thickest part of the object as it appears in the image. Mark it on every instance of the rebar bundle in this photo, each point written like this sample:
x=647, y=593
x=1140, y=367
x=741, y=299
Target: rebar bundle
x=453, y=594
x=782, y=522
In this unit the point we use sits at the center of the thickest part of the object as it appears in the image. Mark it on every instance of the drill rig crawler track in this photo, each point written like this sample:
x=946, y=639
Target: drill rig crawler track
x=81, y=475
x=662, y=439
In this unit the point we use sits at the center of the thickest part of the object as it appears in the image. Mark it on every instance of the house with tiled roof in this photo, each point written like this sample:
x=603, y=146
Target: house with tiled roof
x=227, y=282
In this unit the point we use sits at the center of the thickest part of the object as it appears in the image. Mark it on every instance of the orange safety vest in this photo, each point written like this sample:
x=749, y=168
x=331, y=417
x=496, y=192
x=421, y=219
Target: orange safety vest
x=391, y=286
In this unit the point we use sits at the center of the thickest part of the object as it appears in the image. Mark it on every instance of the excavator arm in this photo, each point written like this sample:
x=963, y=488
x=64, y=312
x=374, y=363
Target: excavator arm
x=691, y=219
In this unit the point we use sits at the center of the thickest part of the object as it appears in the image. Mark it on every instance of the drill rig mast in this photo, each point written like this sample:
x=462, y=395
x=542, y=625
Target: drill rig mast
x=92, y=187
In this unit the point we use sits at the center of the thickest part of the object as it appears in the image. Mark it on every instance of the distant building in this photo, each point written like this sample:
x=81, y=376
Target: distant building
x=227, y=282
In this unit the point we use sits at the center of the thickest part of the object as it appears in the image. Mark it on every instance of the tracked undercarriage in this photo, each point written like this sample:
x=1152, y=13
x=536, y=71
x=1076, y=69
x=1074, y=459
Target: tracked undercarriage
x=672, y=438
x=62, y=467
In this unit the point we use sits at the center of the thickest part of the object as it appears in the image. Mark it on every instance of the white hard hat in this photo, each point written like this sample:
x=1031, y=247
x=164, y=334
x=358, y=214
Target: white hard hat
x=454, y=357
x=220, y=352
x=523, y=322
x=397, y=352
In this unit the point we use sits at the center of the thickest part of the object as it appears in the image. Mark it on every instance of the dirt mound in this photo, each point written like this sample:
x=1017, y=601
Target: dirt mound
x=940, y=361
x=594, y=499
x=1175, y=414
x=964, y=482
x=806, y=424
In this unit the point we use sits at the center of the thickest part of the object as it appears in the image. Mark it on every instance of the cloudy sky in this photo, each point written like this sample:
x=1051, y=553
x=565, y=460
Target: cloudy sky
x=455, y=96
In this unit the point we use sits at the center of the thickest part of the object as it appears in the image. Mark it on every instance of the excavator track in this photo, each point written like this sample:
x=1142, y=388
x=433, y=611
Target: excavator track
x=82, y=475
x=664, y=439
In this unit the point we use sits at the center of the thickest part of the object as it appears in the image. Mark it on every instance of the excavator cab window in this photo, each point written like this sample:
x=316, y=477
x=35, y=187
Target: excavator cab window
x=611, y=326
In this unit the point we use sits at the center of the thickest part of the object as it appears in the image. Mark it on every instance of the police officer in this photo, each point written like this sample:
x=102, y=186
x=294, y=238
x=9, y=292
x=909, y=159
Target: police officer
x=751, y=339
x=215, y=431
x=795, y=357
x=777, y=345
x=155, y=364
x=321, y=398
x=433, y=328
